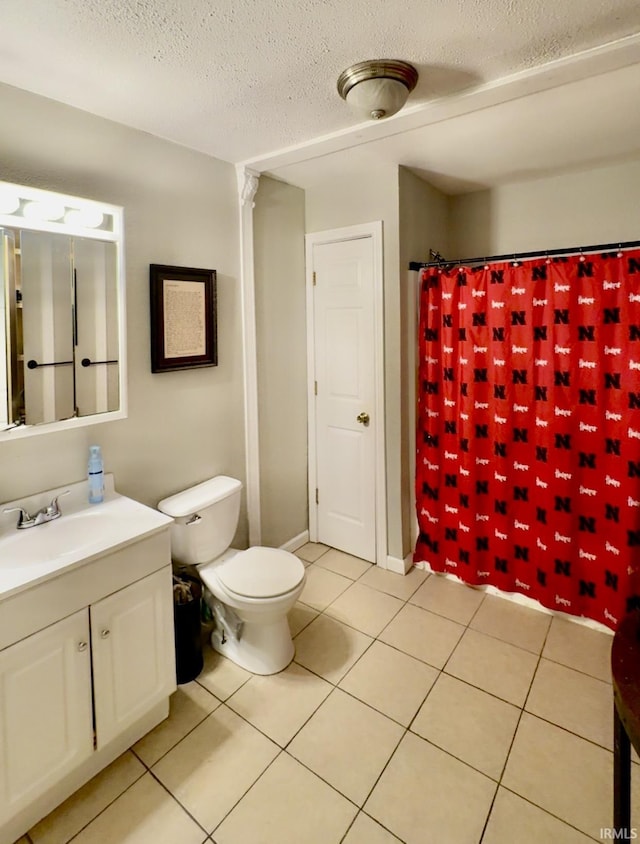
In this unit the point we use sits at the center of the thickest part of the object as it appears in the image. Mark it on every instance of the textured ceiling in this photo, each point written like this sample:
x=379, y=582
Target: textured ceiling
x=239, y=79
x=580, y=125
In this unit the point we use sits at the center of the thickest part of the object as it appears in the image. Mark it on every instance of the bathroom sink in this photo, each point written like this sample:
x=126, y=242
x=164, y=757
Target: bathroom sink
x=61, y=538
x=80, y=534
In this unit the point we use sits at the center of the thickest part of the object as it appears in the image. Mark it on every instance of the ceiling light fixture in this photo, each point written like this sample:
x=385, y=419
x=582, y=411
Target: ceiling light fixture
x=379, y=88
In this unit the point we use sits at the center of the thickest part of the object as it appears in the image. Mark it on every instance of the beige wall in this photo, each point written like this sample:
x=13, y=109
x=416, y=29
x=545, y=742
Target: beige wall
x=363, y=196
x=180, y=208
x=278, y=223
x=423, y=225
x=576, y=209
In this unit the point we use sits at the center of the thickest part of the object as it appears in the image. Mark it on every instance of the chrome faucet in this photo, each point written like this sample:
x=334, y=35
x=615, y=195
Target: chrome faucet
x=45, y=514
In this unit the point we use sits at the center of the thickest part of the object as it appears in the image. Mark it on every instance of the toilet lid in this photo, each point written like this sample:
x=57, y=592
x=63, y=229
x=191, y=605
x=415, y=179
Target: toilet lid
x=261, y=573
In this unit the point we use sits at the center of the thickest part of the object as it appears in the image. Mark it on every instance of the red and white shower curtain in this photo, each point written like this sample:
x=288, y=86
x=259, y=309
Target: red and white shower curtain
x=528, y=443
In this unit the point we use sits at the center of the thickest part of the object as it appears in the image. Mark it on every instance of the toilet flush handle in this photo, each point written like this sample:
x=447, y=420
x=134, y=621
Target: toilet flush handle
x=194, y=519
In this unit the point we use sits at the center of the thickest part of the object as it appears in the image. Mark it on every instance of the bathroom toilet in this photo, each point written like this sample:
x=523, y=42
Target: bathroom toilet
x=250, y=592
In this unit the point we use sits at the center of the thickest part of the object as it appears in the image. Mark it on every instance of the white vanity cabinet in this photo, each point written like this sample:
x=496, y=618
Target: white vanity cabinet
x=87, y=662
x=133, y=654
x=45, y=710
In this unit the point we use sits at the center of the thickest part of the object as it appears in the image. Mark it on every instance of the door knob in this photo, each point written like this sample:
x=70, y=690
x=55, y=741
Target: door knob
x=104, y=634
x=363, y=418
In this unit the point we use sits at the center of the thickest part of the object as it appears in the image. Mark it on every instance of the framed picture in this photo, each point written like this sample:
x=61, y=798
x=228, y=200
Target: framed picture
x=183, y=318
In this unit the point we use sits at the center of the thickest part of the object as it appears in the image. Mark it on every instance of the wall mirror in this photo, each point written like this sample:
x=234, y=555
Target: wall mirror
x=62, y=312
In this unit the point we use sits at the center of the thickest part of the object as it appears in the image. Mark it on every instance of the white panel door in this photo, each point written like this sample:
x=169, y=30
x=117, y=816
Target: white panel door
x=345, y=401
x=133, y=653
x=46, y=720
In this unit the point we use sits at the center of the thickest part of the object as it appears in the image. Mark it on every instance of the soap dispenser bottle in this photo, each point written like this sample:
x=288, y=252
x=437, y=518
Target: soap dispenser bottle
x=95, y=475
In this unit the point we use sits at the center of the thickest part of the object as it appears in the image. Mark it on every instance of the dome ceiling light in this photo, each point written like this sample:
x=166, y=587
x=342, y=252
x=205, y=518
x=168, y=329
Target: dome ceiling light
x=379, y=88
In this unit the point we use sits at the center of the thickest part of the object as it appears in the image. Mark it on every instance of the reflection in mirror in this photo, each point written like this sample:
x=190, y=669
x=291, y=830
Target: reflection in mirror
x=62, y=312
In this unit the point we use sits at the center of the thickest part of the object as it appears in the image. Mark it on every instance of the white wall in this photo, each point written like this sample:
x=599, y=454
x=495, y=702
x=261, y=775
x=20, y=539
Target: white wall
x=576, y=209
x=423, y=225
x=278, y=225
x=362, y=195
x=180, y=208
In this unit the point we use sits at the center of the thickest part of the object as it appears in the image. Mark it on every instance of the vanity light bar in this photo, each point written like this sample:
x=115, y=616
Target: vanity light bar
x=26, y=208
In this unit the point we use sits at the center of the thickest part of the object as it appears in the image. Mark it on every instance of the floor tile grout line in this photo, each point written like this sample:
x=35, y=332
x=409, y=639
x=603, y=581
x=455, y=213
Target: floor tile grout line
x=453, y=756
x=246, y=792
x=384, y=768
x=577, y=670
x=424, y=700
x=480, y=689
x=343, y=574
x=360, y=808
x=223, y=700
x=184, y=808
x=373, y=635
x=110, y=803
x=408, y=729
x=521, y=708
x=379, y=711
x=353, y=697
x=266, y=735
x=405, y=728
x=439, y=614
x=547, y=812
x=501, y=639
x=442, y=670
x=522, y=711
x=262, y=773
x=346, y=832
x=569, y=732
x=404, y=653
x=488, y=818
x=384, y=591
x=173, y=746
x=326, y=782
x=375, y=820
x=511, y=743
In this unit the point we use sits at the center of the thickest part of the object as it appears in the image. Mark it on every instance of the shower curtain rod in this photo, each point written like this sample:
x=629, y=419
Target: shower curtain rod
x=517, y=256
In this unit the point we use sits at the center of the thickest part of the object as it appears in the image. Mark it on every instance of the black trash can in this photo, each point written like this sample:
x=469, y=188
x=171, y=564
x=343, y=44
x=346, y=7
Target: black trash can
x=187, y=594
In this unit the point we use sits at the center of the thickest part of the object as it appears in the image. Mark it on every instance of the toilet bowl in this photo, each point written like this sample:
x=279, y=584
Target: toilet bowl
x=249, y=592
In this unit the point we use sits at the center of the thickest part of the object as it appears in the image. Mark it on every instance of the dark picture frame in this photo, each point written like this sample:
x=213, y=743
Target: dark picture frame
x=183, y=318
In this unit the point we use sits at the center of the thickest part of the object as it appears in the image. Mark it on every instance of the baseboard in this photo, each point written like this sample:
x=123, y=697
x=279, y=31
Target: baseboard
x=297, y=542
x=395, y=564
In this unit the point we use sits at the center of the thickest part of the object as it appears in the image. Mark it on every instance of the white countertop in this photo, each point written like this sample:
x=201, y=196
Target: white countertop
x=82, y=533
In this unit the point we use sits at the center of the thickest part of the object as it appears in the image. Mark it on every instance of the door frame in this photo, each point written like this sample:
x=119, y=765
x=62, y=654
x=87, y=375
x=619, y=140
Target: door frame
x=363, y=230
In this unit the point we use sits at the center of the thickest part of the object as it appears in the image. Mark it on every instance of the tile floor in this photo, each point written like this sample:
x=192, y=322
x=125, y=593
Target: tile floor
x=416, y=710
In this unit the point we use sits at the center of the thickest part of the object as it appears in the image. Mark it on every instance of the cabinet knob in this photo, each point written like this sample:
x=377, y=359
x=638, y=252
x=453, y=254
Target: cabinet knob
x=82, y=646
x=104, y=634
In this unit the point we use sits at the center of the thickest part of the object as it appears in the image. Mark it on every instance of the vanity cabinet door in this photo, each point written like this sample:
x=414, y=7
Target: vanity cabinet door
x=45, y=710
x=133, y=653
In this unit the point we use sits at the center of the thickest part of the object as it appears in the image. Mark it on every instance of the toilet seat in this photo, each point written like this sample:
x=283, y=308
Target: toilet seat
x=260, y=573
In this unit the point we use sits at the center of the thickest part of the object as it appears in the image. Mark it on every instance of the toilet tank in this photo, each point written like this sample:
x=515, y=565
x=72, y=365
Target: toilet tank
x=205, y=519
